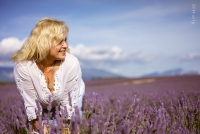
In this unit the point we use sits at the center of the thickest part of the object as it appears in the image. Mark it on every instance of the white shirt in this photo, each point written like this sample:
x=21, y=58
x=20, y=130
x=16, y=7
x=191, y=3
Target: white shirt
x=32, y=86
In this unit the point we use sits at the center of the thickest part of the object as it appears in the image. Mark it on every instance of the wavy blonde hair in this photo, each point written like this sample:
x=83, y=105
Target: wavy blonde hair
x=38, y=44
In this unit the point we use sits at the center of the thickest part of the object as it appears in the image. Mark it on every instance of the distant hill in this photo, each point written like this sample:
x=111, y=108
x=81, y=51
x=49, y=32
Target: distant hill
x=6, y=74
x=96, y=73
x=172, y=72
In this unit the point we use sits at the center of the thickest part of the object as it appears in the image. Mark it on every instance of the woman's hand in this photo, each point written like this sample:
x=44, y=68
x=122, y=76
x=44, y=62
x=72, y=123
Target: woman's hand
x=46, y=131
x=36, y=129
x=66, y=130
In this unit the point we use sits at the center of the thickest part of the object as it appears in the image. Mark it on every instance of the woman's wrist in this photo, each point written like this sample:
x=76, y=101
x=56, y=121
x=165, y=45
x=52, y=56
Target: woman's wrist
x=35, y=125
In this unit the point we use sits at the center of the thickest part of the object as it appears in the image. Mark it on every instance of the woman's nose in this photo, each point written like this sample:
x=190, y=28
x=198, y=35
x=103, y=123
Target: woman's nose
x=65, y=44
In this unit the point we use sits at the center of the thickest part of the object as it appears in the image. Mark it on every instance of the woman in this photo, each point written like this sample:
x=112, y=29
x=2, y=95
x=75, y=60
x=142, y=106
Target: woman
x=45, y=68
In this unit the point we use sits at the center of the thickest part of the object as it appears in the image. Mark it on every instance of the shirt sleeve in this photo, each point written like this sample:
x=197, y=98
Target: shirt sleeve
x=72, y=89
x=26, y=90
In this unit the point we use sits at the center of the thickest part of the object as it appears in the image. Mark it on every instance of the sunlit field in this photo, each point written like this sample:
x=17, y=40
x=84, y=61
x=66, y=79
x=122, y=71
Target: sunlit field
x=162, y=105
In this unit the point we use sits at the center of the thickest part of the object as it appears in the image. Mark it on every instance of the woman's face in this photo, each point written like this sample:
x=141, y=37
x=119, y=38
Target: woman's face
x=58, y=51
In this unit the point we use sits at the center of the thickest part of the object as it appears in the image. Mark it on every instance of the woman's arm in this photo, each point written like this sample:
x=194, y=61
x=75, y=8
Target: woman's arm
x=26, y=90
x=72, y=89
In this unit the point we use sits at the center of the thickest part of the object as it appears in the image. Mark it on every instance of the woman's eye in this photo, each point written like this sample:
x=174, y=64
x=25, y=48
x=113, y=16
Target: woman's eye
x=61, y=41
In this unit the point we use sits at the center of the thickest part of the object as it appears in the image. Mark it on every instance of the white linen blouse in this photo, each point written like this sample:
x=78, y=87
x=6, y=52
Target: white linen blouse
x=32, y=86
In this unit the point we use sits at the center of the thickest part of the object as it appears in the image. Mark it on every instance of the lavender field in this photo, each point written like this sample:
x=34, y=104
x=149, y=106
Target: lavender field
x=162, y=105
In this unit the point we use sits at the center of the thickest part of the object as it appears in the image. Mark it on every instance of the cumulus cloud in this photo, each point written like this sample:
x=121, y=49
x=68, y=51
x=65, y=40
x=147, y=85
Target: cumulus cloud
x=7, y=47
x=191, y=57
x=10, y=45
x=107, y=55
x=99, y=53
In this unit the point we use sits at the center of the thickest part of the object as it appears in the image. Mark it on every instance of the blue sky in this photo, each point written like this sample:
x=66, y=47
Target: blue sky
x=129, y=37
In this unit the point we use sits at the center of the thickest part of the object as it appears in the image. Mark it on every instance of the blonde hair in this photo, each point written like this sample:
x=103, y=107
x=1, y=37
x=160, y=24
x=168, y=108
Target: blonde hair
x=38, y=44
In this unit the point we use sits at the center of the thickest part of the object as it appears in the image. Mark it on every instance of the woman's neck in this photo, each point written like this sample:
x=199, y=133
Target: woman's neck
x=47, y=63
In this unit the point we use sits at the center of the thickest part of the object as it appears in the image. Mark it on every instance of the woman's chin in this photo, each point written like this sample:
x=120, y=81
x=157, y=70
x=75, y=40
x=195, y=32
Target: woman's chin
x=62, y=58
x=59, y=58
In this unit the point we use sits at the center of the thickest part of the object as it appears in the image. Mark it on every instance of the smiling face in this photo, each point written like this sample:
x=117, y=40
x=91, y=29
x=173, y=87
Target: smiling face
x=58, y=50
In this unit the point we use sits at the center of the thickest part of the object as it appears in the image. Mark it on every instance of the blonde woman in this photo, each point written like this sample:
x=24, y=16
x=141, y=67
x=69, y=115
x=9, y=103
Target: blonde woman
x=44, y=67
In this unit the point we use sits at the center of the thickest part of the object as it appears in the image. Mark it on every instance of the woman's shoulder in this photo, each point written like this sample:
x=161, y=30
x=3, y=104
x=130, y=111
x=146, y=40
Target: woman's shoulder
x=23, y=65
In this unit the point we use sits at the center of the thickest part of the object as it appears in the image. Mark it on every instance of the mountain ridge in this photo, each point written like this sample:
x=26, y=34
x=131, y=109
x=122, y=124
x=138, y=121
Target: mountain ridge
x=6, y=74
x=172, y=72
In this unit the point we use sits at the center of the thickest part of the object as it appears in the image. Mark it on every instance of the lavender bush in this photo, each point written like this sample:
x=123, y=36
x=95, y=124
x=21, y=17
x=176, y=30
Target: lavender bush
x=162, y=108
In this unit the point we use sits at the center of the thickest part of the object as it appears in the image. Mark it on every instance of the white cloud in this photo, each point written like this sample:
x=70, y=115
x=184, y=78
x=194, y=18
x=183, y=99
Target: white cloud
x=98, y=53
x=107, y=55
x=10, y=45
x=191, y=57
